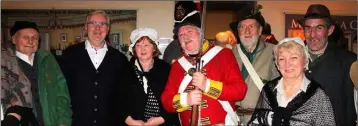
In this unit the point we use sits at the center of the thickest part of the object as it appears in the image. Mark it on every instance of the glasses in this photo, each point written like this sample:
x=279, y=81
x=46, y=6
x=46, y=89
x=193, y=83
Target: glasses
x=100, y=24
x=318, y=28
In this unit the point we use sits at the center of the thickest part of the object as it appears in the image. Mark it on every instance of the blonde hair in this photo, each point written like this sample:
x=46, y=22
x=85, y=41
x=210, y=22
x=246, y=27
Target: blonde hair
x=290, y=45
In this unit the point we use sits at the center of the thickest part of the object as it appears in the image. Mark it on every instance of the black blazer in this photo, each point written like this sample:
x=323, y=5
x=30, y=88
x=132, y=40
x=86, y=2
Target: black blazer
x=97, y=96
x=157, y=78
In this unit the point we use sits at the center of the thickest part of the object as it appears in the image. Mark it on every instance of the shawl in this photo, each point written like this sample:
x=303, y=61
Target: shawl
x=15, y=86
x=312, y=107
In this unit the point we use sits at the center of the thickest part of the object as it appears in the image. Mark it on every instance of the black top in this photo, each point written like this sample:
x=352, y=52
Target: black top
x=331, y=70
x=157, y=78
x=98, y=97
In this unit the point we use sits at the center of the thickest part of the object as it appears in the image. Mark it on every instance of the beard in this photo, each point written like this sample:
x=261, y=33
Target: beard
x=249, y=44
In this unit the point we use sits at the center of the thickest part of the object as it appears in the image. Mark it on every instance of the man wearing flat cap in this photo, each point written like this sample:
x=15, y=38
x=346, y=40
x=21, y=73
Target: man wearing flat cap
x=330, y=65
x=33, y=89
x=215, y=88
x=254, y=57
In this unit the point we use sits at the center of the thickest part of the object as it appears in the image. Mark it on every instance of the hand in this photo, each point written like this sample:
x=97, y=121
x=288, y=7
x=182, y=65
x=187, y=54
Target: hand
x=154, y=121
x=130, y=121
x=194, y=97
x=199, y=80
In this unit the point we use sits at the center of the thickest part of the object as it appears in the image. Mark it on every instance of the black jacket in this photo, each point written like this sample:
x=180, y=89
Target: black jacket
x=157, y=78
x=331, y=70
x=98, y=97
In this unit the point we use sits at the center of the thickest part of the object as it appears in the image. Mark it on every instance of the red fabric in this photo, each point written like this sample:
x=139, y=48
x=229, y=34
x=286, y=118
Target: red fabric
x=224, y=68
x=198, y=6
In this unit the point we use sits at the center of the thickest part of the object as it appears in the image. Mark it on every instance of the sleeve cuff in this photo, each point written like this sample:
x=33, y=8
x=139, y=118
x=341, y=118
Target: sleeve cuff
x=183, y=99
x=179, y=103
x=215, y=89
x=207, y=85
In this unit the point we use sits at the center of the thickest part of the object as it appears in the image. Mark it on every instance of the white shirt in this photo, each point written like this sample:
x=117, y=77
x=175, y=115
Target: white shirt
x=96, y=55
x=282, y=100
x=26, y=58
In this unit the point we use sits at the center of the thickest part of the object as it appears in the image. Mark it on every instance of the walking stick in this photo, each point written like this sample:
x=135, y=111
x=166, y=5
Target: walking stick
x=198, y=65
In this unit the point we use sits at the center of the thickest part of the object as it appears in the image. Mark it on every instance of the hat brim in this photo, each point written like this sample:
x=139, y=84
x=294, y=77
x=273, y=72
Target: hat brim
x=302, y=21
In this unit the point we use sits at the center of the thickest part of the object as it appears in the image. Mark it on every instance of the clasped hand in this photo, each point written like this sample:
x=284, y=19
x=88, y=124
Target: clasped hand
x=199, y=81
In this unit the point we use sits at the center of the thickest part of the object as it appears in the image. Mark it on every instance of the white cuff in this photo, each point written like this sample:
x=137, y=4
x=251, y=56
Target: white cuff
x=183, y=99
x=207, y=85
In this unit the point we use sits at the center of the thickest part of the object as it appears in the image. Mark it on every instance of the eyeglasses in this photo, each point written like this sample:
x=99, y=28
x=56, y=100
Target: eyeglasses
x=100, y=24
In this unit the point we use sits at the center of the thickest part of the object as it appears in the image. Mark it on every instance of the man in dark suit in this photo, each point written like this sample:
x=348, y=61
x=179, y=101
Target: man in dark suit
x=97, y=76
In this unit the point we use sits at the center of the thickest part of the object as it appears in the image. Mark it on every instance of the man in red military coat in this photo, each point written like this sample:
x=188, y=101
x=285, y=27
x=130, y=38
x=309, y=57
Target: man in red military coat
x=215, y=89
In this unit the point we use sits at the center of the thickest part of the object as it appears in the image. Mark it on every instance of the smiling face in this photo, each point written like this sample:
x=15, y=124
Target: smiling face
x=144, y=49
x=189, y=37
x=291, y=60
x=26, y=41
x=249, y=32
x=97, y=27
x=316, y=32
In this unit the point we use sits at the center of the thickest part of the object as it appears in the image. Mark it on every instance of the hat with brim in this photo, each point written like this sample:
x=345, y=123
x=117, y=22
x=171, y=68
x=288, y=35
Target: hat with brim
x=248, y=13
x=317, y=11
x=19, y=25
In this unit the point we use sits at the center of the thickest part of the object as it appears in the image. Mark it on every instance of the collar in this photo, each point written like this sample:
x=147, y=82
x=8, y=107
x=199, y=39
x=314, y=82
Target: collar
x=25, y=57
x=303, y=85
x=89, y=46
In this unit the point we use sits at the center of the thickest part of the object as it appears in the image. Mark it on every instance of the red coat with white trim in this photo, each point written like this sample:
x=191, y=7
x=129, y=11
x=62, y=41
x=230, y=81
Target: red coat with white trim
x=226, y=84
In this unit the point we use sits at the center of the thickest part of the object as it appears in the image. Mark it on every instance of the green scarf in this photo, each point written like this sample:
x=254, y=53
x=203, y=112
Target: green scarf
x=250, y=56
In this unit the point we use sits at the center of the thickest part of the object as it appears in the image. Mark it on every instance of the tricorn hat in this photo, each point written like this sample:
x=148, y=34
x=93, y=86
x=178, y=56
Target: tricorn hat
x=19, y=25
x=186, y=12
x=317, y=11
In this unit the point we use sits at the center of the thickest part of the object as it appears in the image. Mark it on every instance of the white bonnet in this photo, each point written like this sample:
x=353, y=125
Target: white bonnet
x=299, y=41
x=140, y=32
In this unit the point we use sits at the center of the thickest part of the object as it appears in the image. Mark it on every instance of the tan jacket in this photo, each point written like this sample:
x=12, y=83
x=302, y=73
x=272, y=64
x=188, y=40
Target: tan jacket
x=265, y=68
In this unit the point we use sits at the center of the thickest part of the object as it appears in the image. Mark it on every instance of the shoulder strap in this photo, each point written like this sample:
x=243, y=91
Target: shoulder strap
x=254, y=76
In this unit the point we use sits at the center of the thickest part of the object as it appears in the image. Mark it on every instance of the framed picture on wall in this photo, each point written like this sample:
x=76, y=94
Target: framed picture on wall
x=63, y=37
x=115, y=39
x=84, y=36
x=78, y=38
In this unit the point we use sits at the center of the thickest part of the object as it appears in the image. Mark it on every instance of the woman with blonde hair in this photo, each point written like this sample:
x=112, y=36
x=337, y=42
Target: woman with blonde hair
x=292, y=99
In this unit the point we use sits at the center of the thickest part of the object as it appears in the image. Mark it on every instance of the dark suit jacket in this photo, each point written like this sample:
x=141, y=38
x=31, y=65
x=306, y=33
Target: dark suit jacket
x=97, y=96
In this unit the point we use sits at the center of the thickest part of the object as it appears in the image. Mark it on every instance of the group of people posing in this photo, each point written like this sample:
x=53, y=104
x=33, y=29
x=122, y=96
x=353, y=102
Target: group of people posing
x=253, y=82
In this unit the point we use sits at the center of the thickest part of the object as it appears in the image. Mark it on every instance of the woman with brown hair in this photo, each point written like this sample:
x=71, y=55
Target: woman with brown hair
x=152, y=73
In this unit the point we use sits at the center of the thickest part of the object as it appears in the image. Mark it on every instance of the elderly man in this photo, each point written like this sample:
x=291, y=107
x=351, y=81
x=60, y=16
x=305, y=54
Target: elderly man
x=98, y=76
x=33, y=89
x=254, y=57
x=330, y=64
x=214, y=88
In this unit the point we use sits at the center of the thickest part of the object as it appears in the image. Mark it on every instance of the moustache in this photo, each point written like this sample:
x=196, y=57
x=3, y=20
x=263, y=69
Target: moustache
x=187, y=40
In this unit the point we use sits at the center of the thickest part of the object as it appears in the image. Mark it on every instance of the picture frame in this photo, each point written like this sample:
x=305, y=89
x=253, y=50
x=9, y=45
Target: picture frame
x=78, y=38
x=84, y=35
x=63, y=37
x=115, y=38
